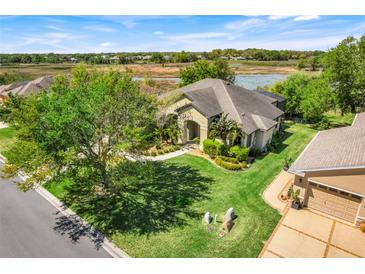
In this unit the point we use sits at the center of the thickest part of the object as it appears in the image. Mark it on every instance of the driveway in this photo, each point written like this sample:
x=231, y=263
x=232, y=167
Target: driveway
x=308, y=234
x=31, y=227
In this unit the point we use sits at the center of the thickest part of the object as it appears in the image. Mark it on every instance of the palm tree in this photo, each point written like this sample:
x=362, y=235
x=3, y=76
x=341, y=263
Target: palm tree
x=223, y=127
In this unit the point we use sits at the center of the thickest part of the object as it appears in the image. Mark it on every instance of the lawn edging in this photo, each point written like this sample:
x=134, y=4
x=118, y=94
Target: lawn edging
x=108, y=246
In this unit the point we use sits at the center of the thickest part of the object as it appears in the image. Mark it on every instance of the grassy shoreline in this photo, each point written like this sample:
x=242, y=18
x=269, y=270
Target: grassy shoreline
x=170, y=70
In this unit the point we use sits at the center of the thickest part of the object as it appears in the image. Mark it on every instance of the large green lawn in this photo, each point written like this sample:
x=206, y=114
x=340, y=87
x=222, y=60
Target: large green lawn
x=7, y=138
x=240, y=190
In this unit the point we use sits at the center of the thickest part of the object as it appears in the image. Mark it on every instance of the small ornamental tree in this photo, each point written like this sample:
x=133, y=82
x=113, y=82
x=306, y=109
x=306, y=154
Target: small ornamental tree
x=222, y=128
x=81, y=125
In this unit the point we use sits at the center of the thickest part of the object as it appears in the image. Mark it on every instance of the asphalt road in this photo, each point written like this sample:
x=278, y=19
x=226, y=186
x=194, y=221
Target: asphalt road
x=30, y=227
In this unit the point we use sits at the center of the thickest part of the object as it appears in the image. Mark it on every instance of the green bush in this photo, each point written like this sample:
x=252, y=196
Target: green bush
x=221, y=149
x=254, y=152
x=244, y=164
x=210, y=147
x=240, y=153
x=227, y=165
x=229, y=159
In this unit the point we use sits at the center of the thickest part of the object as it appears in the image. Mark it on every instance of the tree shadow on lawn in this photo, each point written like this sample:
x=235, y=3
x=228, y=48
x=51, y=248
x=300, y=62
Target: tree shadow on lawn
x=151, y=197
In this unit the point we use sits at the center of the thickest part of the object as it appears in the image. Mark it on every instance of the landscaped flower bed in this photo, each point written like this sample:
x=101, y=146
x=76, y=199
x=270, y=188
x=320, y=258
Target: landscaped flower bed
x=154, y=151
x=228, y=157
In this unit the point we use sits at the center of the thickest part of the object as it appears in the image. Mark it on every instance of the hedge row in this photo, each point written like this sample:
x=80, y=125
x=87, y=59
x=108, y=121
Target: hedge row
x=230, y=163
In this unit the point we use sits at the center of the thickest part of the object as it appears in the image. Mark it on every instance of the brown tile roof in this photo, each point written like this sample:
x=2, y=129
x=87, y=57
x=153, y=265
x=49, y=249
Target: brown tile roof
x=250, y=109
x=336, y=148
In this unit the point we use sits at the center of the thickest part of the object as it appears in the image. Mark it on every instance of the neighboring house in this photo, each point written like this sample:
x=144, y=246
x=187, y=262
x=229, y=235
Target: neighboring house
x=330, y=172
x=202, y=102
x=25, y=88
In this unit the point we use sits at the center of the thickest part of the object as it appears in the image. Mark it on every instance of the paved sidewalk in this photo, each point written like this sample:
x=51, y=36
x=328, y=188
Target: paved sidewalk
x=183, y=150
x=272, y=193
x=3, y=125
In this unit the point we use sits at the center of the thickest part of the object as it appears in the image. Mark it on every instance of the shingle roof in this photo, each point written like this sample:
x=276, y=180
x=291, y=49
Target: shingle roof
x=274, y=96
x=250, y=109
x=27, y=87
x=334, y=149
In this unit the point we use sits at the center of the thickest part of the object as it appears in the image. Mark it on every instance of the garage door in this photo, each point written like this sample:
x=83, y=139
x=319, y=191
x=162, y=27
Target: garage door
x=334, y=202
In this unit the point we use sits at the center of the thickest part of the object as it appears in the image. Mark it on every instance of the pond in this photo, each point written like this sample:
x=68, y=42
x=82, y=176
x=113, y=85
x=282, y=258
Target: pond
x=249, y=81
x=258, y=80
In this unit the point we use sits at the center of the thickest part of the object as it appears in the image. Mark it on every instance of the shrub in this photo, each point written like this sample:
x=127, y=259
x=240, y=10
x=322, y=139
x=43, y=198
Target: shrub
x=221, y=149
x=210, y=147
x=153, y=153
x=227, y=165
x=244, y=164
x=324, y=123
x=240, y=153
x=254, y=152
x=196, y=140
x=229, y=159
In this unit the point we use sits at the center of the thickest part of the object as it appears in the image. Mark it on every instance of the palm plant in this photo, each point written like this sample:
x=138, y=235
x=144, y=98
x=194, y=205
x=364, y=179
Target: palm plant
x=223, y=127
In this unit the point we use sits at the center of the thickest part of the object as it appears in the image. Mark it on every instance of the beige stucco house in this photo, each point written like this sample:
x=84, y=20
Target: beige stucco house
x=200, y=103
x=330, y=172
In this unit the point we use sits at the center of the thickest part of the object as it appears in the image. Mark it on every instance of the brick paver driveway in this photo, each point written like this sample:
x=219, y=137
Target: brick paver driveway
x=308, y=234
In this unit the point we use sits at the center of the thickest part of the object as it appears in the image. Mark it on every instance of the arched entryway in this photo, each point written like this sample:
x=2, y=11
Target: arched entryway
x=192, y=130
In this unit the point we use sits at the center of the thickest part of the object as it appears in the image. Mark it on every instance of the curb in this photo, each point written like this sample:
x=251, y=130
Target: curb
x=108, y=246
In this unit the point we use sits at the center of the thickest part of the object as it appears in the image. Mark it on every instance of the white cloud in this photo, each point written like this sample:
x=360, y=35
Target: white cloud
x=105, y=44
x=158, y=33
x=245, y=24
x=306, y=17
x=54, y=27
x=198, y=36
x=278, y=17
x=61, y=35
x=100, y=28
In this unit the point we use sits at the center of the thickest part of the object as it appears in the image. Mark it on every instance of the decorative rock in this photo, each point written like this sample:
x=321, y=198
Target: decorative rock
x=207, y=218
x=227, y=225
x=229, y=214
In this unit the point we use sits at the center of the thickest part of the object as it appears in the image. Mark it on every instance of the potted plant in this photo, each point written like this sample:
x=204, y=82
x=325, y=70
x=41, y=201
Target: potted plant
x=287, y=163
x=295, y=199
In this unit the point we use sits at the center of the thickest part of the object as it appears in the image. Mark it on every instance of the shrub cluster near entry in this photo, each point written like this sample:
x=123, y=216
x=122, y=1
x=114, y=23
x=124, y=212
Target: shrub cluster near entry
x=211, y=147
x=240, y=153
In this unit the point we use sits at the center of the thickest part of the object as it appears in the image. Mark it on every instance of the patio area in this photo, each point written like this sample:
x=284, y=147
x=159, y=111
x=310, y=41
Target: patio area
x=308, y=234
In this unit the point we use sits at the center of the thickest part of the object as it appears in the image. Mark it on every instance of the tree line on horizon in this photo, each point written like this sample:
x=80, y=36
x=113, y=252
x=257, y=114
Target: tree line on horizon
x=157, y=57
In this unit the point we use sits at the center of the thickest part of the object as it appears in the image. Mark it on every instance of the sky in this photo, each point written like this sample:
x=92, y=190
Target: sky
x=82, y=34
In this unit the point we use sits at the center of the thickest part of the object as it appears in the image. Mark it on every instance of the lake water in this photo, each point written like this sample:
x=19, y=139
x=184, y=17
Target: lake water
x=246, y=81
x=258, y=80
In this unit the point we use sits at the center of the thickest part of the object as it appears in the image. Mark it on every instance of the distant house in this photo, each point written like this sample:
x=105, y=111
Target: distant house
x=114, y=59
x=73, y=60
x=146, y=57
x=26, y=88
x=202, y=102
x=330, y=172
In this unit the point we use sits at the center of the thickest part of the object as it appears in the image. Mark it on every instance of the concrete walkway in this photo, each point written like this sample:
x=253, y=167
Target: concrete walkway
x=3, y=125
x=272, y=193
x=173, y=154
x=183, y=150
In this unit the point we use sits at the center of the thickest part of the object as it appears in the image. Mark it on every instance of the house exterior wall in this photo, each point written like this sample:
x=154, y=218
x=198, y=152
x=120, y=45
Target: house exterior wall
x=189, y=113
x=302, y=183
x=262, y=138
